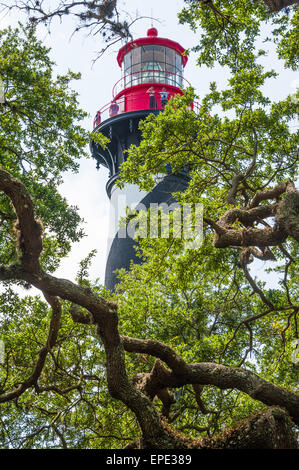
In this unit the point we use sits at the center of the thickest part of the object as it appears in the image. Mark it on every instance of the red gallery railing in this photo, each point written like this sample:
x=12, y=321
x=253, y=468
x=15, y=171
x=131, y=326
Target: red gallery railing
x=116, y=107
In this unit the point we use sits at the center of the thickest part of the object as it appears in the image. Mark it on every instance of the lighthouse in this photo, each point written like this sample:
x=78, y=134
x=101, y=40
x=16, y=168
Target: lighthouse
x=152, y=73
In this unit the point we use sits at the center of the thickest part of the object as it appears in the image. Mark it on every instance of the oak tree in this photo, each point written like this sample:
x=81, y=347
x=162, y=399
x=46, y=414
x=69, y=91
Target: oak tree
x=191, y=351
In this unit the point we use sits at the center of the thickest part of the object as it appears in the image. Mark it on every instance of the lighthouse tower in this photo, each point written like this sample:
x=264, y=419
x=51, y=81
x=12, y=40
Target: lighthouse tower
x=152, y=73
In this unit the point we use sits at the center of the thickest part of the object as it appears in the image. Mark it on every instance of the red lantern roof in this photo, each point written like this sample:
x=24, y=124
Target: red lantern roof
x=151, y=39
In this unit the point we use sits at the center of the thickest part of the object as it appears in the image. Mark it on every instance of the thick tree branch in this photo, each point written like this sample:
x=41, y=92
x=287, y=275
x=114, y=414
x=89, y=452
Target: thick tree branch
x=233, y=191
x=285, y=212
x=103, y=314
x=278, y=5
x=218, y=375
x=273, y=193
x=156, y=349
x=28, y=228
x=270, y=429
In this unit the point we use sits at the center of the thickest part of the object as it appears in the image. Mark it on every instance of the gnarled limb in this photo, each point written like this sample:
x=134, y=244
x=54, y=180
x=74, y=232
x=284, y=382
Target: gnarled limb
x=285, y=212
x=271, y=429
x=28, y=228
x=103, y=314
x=278, y=5
x=206, y=373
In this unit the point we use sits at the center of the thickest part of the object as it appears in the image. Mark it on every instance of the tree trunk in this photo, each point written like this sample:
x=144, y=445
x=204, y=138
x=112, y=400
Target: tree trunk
x=271, y=429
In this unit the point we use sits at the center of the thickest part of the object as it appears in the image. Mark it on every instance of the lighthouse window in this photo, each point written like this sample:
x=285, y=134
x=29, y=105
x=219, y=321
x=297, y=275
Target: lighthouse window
x=135, y=68
x=159, y=54
x=127, y=62
x=136, y=56
x=178, y=63
x=170, y=58
x=147, y=54
x=153, y=63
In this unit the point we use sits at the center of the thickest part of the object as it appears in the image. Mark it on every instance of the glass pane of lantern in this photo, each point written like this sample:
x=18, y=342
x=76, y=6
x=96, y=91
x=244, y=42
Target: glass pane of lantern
x=147, y=65
x=127, y=63
x=170, y=57
x=136, y=55
x=128, y=80
x=159, y=55
x=148, y=76
x=135, y=79
x=179, y=80
x=170, y=79
x=178, y=63
x=158, y=77
x=135, y=68
x=135, y=76
x=158, y=66
x=170, y=69
x=147, y=54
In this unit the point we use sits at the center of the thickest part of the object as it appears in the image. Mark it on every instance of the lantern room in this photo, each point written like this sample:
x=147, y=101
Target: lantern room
x=152, y=72
x=152, y=59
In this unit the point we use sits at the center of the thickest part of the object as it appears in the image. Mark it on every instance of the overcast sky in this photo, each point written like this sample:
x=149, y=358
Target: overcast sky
x=87, y=188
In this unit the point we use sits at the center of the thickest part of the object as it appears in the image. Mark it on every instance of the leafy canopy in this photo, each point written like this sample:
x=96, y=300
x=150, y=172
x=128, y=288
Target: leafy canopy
x=207, y=304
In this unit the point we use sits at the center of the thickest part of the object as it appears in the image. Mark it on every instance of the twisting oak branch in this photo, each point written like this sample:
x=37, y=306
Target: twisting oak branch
x=285, y=213
x=202, y=373
x=278, y=5
x=28, y=228
x=89, y=308
x=103, y=312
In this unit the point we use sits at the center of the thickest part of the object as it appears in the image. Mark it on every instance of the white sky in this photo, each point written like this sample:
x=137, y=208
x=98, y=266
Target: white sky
x=87, y=188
